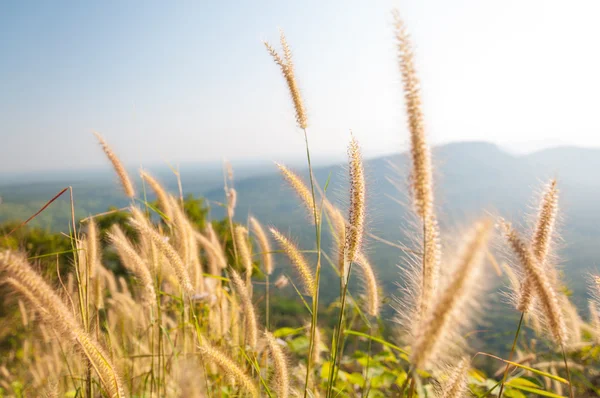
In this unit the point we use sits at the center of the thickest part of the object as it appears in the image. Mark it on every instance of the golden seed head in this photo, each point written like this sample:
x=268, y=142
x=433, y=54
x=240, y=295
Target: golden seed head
x=298, y=261
x=356, y=210
x=339, y=233
x=371, y=286
x=456, y=385
x=421, y=174
x=214, y=252
x=231, y=201
x=441, y=325
x=301, y=190
x=241, y=240
x=281, y=282
x=431, y=262
x=540, y=284
x=54, y=312
x=287, y=69
x=133, y=262
x=282, y=377
x=161, y=194
x=229, y=366
x=92, y=241
x=265, y=245
x=248, y=310
x=542, y=236
x=181, y=271
x=541, y=242
x=118, y=166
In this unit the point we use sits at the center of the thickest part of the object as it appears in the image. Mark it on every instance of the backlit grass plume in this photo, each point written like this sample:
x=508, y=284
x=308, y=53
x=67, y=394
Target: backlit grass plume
x=287, y=69
x=372, y=299
x=456, y=384
x=133, y=262
x=118, y=166
x=251, y=327
x=162, y=196
x=281, y=380
x=301, y=190
x=595, y=286
x=421, y=168
x=181, y=271
x=541, y=241
x=298, y=261
x=265, y=245
x=450, y=312
x=213, y=251
x=317, y=345
x=231, y=195
x=93, y=253
x=52, y=308
x=241, y=240
x=542, y=237
x=421, y=178
x=229, y=367
x=356, y=210
x=339, y=232
x=540, y=284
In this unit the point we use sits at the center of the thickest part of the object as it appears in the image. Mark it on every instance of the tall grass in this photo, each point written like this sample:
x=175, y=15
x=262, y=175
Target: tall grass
x=185, y=322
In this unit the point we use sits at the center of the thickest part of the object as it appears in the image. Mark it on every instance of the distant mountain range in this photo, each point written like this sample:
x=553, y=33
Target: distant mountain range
x=472, y=179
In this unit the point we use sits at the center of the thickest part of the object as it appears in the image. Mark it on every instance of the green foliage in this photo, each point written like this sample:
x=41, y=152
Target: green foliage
x=196, y=211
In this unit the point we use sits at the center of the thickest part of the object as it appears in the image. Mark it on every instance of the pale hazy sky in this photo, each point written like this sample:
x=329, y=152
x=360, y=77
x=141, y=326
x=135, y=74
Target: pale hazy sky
x=191, y=81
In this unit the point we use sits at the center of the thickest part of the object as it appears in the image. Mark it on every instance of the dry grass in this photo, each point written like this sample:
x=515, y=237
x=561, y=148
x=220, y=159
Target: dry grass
x=190, y=326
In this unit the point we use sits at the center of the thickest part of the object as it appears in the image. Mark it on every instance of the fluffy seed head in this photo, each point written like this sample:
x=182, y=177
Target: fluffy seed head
x=230, y=367
x=241, y=240
x=231, y=201
x=118, y=166
x=339, y=231
x=456, y=385
x=541, y=241
x=444, y=319
x=301, y=190
x=317, y=344
x=573, y=321
x=168, y=251
x=595, y=286
x=161, y=194
x=265, y=245
x=370, y=281
x=133, y=261
x=297, y=260
x=248, y=310
x=542, y=236
x=540, y=285
x=53, y=310
x=421, y=168
x=212, y=250
x=281, y=282
x=421, y=174
x=93, y=254
x=282, y=377
x=430, y=262
x=287, y=69
x=356, y=210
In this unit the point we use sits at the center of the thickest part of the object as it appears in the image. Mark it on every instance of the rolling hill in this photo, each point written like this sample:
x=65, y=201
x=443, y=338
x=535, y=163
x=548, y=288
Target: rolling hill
x=472, y=179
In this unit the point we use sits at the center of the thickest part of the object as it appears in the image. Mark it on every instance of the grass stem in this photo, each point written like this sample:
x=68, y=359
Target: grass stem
x=512, y=351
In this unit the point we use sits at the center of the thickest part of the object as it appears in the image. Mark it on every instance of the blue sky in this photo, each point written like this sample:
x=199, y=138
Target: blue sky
x=191, y=81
